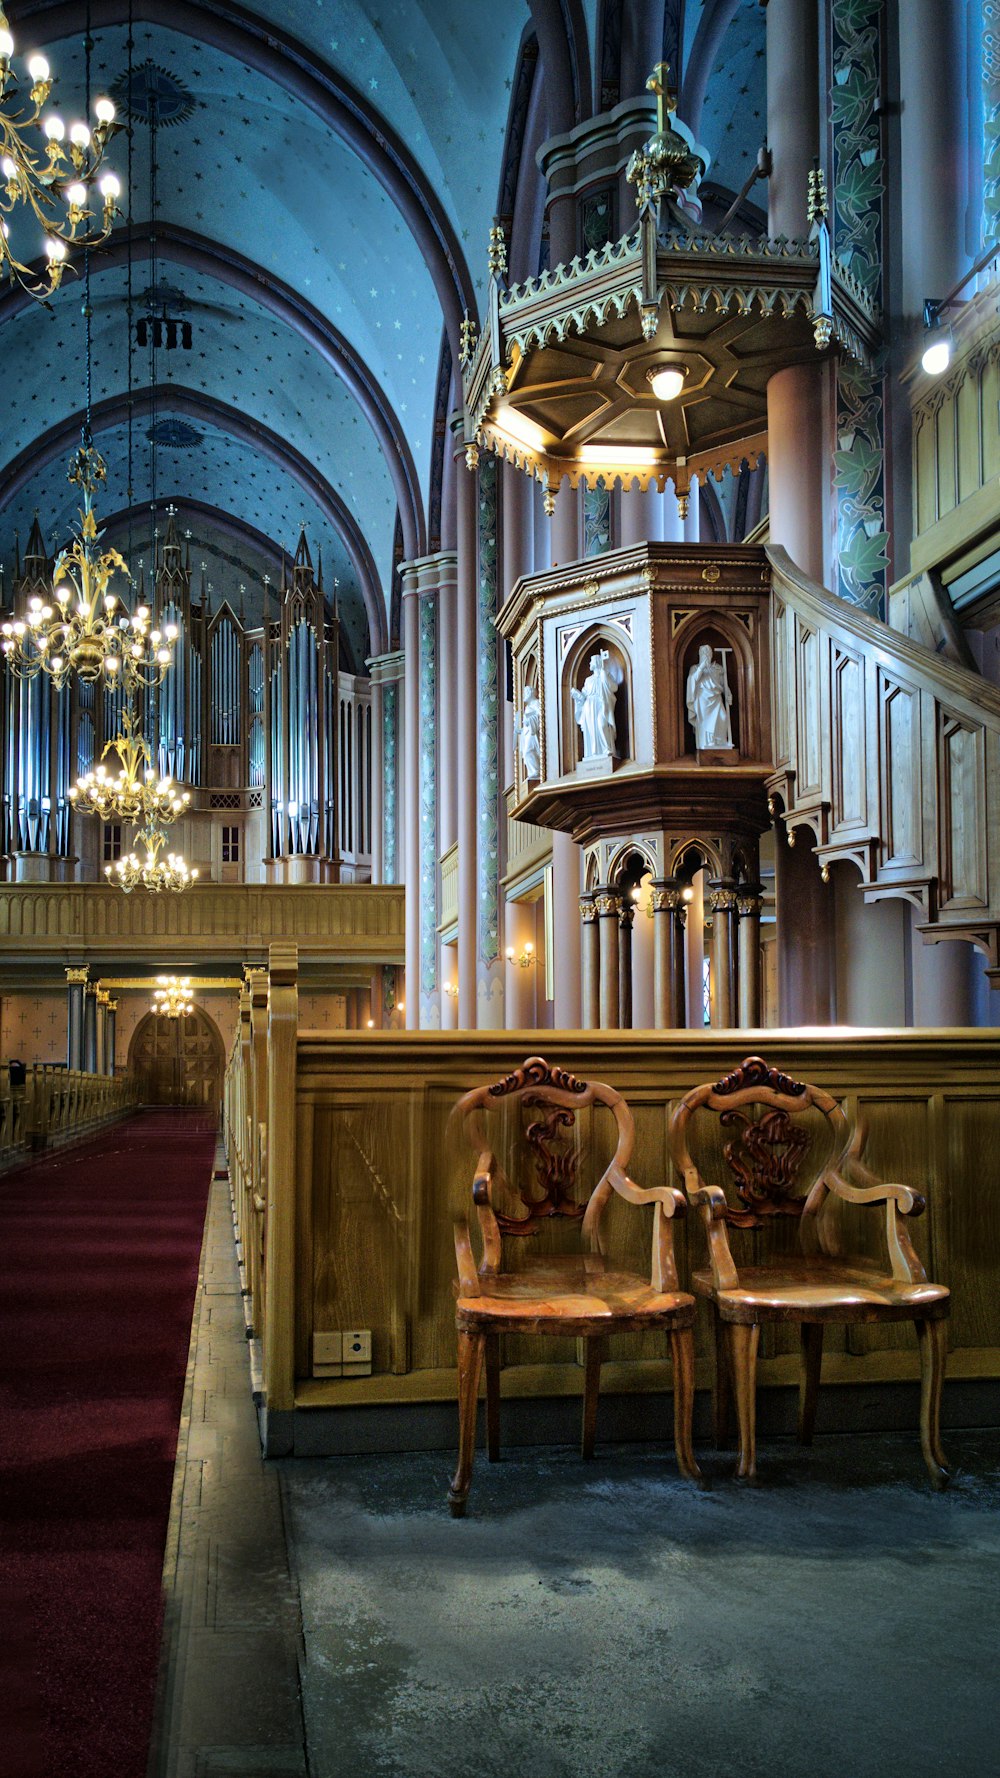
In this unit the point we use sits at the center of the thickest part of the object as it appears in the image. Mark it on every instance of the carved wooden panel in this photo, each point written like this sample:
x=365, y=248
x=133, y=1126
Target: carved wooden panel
x=850, y=801
x=808, y=710
x=901, y=773
x=963, y=814
x=782, y=620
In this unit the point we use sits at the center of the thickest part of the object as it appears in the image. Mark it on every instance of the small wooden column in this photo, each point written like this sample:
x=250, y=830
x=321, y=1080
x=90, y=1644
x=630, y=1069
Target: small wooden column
x=89, y=1062
x=626, y=914
x=749, y=902
x=722, y=900
x=591, y=960
x=608, y=905
x=76, y=988
x=667, y=902
x=110, y=1021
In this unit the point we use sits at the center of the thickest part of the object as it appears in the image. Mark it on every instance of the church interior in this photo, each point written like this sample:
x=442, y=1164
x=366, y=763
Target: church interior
x=500, y=885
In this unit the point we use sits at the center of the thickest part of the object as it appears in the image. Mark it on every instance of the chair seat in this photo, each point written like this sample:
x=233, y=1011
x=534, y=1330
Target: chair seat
x=572, y=1294
x=821, y=1289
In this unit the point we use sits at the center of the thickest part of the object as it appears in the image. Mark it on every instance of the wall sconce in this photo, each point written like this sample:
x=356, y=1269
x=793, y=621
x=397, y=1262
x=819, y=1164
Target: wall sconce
x=451, y=989
x=524, y=959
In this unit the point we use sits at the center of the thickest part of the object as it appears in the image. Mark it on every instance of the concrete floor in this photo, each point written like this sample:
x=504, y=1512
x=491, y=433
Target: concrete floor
x=585, y=1621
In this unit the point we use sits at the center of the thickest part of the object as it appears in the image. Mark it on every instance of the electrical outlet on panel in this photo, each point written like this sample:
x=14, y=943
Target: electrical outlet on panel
x=328, y=1351
x=357, y=1352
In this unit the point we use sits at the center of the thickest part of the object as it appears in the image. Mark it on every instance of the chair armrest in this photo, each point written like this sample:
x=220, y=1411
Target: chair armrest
x=877, y=1191
x=468, y=1277
x=711, y=1198
x=671, y=1201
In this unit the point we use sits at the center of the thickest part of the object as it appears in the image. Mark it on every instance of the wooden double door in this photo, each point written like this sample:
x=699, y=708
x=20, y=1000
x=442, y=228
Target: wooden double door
x=178, y=1061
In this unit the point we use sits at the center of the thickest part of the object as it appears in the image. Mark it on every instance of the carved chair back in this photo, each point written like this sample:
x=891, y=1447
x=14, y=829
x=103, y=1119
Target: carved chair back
x=783, y=1146
x=546, y=1102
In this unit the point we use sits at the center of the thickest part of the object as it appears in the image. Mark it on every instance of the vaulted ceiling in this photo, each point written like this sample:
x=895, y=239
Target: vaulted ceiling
x=325, y=181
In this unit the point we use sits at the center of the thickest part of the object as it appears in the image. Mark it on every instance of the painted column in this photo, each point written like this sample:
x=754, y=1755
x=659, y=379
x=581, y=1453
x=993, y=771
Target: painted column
x=668, y=955
x=76, y=988
x=991, y=122
x=591, y=947
x=799, y=416
x=626, y=915
x=641, y=516
x=447, y=756
x=463, y=691
x=608, y=906
x=489, y=953
x=566, y=884
x=377, y=772
x=688, y=527
x=101, y=1024
x=110, y=1022
x=722, y=895
x=643, y=963
x=386, y=672
x=411, y=788
x=805, y=925
x=90, y=1029
x=749, y=903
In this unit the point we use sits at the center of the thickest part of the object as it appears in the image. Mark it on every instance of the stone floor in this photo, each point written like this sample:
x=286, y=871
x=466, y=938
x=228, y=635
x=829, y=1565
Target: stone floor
x=328, y=1617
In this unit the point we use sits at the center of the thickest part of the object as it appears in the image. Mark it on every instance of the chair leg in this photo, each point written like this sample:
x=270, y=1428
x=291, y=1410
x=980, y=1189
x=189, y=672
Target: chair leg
x=743, y=1343
x=932, y=1338
x=493, y=1397
x=810, y=1363
x=591, y=1391
x=470, y=1359
x=682, y=1352
x=722, y=1389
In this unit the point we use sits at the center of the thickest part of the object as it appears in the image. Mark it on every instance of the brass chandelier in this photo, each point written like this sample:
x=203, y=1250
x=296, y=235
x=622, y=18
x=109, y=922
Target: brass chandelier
x=64, y=167
x=172, y=997
x=138, y=794
x=148, y=870
x=87, y=630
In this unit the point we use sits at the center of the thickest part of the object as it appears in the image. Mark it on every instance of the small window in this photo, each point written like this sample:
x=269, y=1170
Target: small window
x=112, y=841
x=230, y=845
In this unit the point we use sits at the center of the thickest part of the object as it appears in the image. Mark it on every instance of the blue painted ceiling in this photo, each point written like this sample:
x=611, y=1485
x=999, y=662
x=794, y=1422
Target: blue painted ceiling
x=245, y=164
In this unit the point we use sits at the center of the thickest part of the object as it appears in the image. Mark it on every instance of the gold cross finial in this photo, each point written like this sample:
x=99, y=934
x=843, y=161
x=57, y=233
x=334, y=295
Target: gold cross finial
x=666, y=98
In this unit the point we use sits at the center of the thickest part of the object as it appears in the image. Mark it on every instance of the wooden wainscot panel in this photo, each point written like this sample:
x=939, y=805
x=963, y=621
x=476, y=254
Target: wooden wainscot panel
x=962, y=805
x=850, y=769
x=809, y=710
x=901, y=773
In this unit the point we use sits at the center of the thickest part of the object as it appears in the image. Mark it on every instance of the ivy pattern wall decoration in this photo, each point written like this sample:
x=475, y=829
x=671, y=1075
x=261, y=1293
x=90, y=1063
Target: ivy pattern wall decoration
x=430, y=1006
x=489, y=973
x=858, y=186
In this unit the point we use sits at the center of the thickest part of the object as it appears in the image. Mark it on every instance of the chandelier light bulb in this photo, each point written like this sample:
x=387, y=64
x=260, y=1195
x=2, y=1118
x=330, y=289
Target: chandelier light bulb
x=55, y=249
x=6, y=45
x=104, y=111
x=9, y=168
x=38, y=67
x=76, y=194
x=111, y=187
x=54, y=127
x=666, y=382
x=80, y=134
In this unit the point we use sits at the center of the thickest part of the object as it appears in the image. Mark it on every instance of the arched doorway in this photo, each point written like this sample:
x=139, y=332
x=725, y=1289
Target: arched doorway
x=178, y=1061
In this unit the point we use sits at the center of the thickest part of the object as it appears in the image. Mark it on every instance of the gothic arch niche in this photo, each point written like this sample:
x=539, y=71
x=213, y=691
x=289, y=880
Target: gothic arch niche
x=596, y=640
x=717, y=630
x=178, y=1061
x=528, y=717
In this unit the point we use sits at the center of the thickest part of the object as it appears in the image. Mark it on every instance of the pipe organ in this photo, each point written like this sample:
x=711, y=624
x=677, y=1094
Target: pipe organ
x=260, y=721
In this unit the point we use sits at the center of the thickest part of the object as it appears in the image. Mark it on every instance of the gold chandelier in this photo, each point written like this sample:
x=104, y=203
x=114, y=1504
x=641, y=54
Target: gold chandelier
x=64, y=167
x=149, y=870
x=87, y=630
x=137, y=794
x=172, y=997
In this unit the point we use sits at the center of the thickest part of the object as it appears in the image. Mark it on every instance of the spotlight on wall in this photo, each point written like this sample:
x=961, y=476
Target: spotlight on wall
x=666, y=381
x=451, y=989
x=936, y=355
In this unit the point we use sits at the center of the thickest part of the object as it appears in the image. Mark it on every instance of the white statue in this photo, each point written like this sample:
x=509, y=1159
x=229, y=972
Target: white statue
x=527, y=730
x=594, y=707
x=709, y=699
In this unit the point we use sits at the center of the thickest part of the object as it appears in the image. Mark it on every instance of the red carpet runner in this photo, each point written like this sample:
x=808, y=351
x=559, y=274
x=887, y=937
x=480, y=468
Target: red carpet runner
x=99, y=1252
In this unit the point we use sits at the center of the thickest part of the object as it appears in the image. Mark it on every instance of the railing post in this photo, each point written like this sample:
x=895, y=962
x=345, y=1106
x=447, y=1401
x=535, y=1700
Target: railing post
x=279, y=1324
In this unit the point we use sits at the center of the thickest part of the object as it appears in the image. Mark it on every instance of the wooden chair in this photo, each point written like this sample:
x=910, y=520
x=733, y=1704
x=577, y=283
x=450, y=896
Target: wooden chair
x=559, y=1293
x=822, y=1283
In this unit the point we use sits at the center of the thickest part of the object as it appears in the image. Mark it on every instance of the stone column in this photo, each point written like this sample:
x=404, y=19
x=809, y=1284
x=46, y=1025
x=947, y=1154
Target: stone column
x=411, y=789
x=100, y=1047
x=694, y=949
x=722, y=894
x=566, y=885
x=626, y=915
x=690, y=524
x=386, y=672
x=608, y=907
x=668, y=955
x=110, y=1021
x=799, y=402
x=749, y=903
x=641, y=516
x=463, y=691
x=643, y=964
x=519, y=986
x=591, y=948
x=90, y=1029
x=489, y=741
x=76, y=988
x=805, y=930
